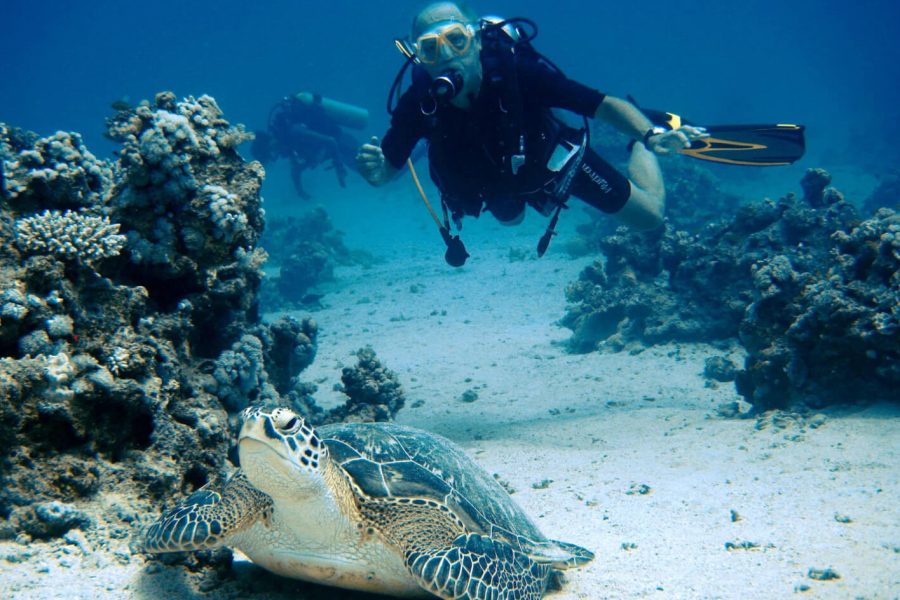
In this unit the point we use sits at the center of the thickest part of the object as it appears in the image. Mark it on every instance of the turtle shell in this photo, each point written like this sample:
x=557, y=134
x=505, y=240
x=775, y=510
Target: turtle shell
x=386, y=460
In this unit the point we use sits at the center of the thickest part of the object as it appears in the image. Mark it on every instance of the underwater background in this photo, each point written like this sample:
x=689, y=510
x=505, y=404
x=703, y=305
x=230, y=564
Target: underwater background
x=832, y=65
x=701, y=398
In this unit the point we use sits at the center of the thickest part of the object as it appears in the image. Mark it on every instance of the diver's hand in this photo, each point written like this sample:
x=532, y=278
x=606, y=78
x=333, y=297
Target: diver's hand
x=371, y=163
x=676, y=139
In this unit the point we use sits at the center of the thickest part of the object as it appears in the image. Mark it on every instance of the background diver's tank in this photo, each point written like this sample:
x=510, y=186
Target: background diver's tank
x=341, y=113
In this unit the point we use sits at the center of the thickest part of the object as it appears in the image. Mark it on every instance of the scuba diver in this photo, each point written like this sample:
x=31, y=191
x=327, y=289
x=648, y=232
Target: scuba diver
x=308, y=130
x=482, y=97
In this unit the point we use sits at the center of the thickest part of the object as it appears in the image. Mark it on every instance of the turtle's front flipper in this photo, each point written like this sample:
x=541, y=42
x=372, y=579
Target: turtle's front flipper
x=562, y=555
x=208, y=519
x=476, y=567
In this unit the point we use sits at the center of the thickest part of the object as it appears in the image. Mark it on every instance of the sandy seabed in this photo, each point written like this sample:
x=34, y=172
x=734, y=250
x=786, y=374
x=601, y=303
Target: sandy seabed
x=623, y=453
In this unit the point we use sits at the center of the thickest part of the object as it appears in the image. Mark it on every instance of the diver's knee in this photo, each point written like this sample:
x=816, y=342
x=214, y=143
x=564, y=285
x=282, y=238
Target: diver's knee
x=647, y=221
x=644, y=210
x=656, y=211
x=659, y=206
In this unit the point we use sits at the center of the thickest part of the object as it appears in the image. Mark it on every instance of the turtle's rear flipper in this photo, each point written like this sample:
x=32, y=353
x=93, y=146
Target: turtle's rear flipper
x=208, y=519
x=475, y=567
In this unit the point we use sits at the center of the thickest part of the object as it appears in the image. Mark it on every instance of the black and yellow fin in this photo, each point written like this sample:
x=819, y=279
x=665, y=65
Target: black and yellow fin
x=750, y=145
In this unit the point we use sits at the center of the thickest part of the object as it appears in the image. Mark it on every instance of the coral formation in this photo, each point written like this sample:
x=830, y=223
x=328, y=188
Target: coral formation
x=810, y=289
x=225, y=212
x=51, y=173
x=264, y=364
x=652, y=288
x=130, y=329
x=306, y=250
x=70, y=235
x=290, y=347
x=832, y=334
x=103, y=354
x=374, y=392
x=240, y=375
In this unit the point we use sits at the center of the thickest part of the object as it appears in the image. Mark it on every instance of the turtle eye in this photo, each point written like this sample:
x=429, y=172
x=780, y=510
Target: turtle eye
x=292, y=425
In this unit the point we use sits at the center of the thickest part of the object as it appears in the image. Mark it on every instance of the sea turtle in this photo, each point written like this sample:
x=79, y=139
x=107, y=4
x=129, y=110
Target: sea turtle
x=377, y=507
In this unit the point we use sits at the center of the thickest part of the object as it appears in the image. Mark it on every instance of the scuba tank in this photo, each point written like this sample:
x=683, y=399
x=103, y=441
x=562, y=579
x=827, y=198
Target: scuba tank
x=341, y=113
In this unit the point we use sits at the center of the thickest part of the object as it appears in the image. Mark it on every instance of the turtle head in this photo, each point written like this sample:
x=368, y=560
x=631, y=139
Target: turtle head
x=280, y=452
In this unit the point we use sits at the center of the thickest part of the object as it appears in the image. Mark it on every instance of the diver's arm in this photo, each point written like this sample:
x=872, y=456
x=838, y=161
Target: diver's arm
x=372, y=165
x=558, y=91
x=624, y=116
x=627, y=118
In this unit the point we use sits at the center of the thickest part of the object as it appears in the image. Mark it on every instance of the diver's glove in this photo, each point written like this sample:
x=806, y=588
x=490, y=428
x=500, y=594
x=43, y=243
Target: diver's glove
x=666, y=141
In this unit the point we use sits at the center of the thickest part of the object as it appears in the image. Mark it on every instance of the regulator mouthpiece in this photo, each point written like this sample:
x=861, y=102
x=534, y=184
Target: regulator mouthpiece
x=446, y=86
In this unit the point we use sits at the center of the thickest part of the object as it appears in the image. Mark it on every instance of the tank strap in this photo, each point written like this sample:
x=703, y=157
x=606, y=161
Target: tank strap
x=501, y=60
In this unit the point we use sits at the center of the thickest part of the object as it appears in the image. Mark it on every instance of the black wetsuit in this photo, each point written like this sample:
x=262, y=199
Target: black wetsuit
x=469, y=149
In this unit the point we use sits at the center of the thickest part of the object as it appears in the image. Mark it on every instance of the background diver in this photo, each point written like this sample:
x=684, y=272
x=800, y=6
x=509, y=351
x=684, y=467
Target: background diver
x=482, y=97
x=308, y=130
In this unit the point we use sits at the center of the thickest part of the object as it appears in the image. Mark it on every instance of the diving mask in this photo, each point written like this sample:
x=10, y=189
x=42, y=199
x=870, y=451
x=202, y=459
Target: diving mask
x=456, y=37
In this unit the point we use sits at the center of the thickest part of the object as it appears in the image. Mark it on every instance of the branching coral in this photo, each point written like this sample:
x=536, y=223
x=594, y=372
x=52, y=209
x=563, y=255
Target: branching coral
x=70, y=235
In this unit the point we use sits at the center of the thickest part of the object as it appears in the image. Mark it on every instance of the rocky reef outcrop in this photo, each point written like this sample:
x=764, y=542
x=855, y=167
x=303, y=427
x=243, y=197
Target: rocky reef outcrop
x=373, y=392
x=305, y=251
x=122, y=283
x=830, y=334
x=807, y=285
x=130, y=328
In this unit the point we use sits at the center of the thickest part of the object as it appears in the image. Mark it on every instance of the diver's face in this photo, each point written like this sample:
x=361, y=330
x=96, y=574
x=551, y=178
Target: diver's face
x=453, y=46
x=446, y=41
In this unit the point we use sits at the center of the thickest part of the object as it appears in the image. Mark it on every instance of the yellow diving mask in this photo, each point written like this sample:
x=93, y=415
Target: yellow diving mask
x=456, y=37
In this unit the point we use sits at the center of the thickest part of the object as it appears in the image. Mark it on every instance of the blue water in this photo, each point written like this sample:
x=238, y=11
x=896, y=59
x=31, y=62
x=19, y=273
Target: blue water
x=833, y=65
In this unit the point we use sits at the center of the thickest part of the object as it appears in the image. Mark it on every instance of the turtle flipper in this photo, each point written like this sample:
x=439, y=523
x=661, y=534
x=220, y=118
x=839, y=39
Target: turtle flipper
x=476, y=567
x=561, y=555
x=579, y=556
x=207, y=518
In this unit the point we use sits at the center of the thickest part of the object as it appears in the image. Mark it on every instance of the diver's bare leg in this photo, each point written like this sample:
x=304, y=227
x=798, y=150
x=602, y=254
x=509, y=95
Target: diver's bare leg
x=647, y=204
